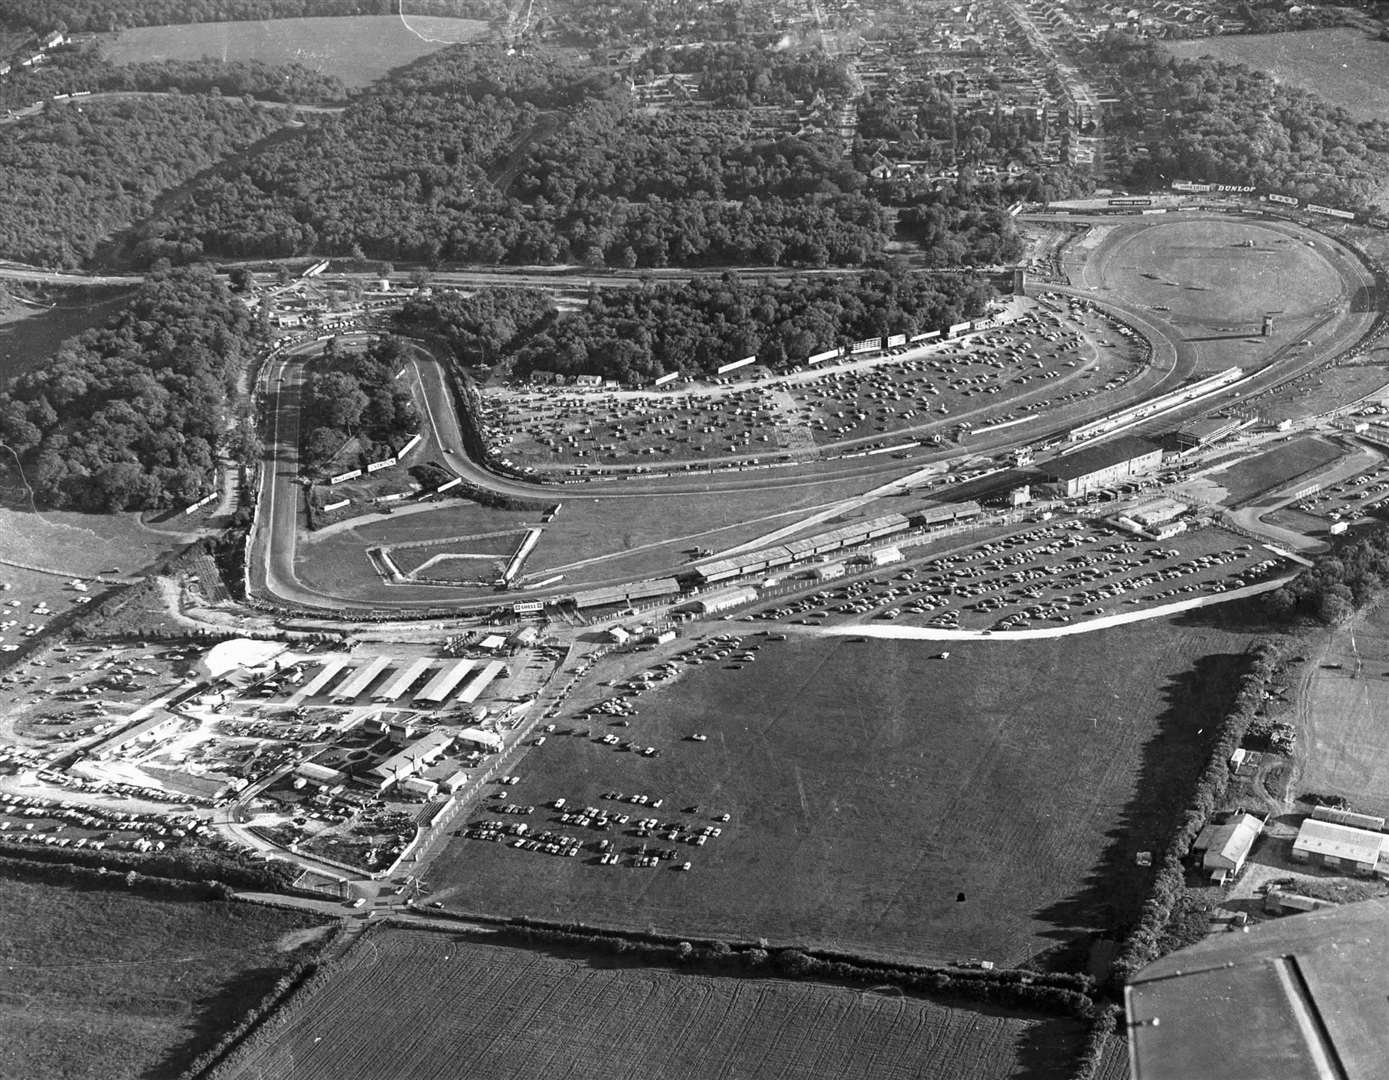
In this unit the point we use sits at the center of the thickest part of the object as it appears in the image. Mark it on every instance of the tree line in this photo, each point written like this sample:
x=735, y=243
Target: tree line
x=73, y=70
x=132, y=416
x=691, y=328
x=42, y=16
x=1225, y=123
x=1339, y=582
x=79, y=172
x=353, y=394
x=469, y=156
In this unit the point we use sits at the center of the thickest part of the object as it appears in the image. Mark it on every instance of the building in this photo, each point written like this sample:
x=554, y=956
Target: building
x=1283, y=902
x=1224, y=848
x=1206, y=431
x=321, y=774
x=828, y=571
x=418, y=785
x=885, y=556
x=1348, y=817
x=1102, y=466
x=1339, y=847
x=715, y=602
x=481, y=739
x=1301, y=996
x=413, y=758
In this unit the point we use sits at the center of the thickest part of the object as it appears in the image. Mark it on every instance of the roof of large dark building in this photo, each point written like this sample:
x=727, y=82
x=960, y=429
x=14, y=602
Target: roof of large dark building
x=1094, y=458
x=1299, y=997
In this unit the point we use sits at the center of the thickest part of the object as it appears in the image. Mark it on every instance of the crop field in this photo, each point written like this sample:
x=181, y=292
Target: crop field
x=358, y=49
x=420, y=1005
x=109, y=984
x=1343, y=742
x=1253, y=476
x=1040, y=362
x=1343, y=65
x=879, y=798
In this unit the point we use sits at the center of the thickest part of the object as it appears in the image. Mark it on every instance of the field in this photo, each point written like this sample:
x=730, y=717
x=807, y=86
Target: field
x=1343, y=742
x=880, y=798
x=1345, y=66
x=40, y=553
x=460, y=1008
x=591, y=539
x=1246, y=479
x=357, y=49
x=110, y=984
x=1320, y=391
x=1211, y=279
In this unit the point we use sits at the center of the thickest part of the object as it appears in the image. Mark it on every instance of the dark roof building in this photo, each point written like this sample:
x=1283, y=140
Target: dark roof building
x=1299, y=997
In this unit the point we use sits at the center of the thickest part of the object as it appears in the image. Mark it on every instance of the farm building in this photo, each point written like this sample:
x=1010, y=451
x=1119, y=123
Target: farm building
x=1301, y=996
x=1348, y=817
x=714, y=602
x=1224, y=848
x=1283, y=902
x=1102, y=466
x=1339, y=846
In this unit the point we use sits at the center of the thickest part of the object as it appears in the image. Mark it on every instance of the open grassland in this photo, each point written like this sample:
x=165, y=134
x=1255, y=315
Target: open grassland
x=421, y=1005
x=1321, y=391
x=590, y=539
x=882, y=799
x=41, y=553
x=1246, y=479
x=1343, y=744
x=357, y=49
x=1343, y=65
x=1201, y=269
x=111, y=984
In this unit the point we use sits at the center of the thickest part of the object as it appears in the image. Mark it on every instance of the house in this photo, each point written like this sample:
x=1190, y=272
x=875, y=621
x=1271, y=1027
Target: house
x=1224, y=848
x=1339, y=847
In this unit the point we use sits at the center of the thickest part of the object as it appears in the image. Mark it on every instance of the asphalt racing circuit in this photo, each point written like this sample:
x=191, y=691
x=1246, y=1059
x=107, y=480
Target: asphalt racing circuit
x=1197, y=285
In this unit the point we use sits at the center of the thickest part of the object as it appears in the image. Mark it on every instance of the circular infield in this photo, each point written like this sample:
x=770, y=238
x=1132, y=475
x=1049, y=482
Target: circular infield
x=1220, y=270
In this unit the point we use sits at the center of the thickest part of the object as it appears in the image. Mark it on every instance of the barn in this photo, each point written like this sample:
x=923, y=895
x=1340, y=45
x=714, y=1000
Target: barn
x=1225, y=847
x=1339, y=847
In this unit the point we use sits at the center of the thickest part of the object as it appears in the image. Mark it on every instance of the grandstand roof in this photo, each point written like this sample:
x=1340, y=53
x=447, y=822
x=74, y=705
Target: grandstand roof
x=1094, y=458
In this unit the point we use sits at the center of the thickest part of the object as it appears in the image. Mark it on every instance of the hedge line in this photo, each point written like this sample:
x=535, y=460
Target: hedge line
x=1143, y=943
x=66, y=873
x=197, y=865
x=1102, y=1029
x=1066, y=994
x=301, y=980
